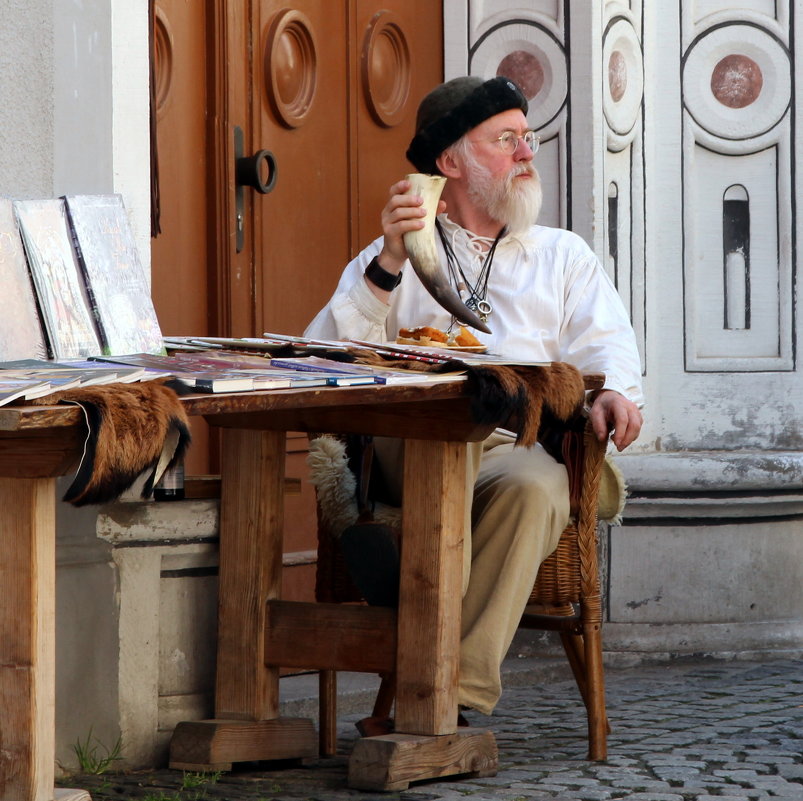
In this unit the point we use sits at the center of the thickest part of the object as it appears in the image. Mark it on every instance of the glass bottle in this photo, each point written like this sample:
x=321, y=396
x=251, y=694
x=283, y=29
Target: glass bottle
x=170, y=486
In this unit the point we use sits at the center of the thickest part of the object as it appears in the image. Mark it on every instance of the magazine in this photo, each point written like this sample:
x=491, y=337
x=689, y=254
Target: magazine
x=12, y=388
x=116, y=284
x=63, y=303
x=377, y=373
x=21, y=333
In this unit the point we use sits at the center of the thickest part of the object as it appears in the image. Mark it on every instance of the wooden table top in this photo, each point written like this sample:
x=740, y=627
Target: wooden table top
x=37, y=441
x=21, y=418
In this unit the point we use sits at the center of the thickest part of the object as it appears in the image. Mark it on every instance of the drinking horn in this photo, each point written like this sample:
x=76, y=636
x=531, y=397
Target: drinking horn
x=423, y=253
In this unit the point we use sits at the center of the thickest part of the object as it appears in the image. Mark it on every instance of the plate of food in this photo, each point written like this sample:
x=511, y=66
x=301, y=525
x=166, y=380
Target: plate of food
x=429, y=337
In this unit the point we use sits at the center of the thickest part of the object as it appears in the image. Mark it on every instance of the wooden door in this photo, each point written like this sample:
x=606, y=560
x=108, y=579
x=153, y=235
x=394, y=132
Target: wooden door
x=179, y=252
x=329, y=88
x=327, y=91
x=336, y=86
x=180, y=270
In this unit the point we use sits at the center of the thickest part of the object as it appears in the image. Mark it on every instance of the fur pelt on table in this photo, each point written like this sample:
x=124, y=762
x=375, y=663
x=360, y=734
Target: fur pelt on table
x=516, y=397
x=513, y=396
x=132, y=428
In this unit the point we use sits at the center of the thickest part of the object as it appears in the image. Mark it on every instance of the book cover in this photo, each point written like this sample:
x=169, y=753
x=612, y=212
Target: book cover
x=263, y=379
x=68, y=377
x=12, y=388
x=63, y=304
x=224, y=377
x=21, y=333
x=217, y=381
x=432, y=354
x=9, y=392
x=301, y=380
x=221, y=360
x=116, y=283
x=59, y=380
x=306, y=344
x=96, y=378
x=375, y=373
x=150, y=361
x=350, y=380
x=252, y=344
x=94, y=372
x=318, y=364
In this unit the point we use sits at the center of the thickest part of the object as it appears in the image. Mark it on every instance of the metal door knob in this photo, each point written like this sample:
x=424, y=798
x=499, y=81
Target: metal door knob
x=257, y=171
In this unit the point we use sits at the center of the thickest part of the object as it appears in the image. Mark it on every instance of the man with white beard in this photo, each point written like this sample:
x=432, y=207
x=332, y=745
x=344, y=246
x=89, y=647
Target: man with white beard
x=545, y=297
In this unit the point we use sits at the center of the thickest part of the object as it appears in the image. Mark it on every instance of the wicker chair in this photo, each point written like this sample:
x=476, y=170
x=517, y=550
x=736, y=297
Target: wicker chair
x=566, y=597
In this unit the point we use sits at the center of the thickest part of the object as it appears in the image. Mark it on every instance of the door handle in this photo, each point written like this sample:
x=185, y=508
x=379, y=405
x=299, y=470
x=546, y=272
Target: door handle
x=258, y=171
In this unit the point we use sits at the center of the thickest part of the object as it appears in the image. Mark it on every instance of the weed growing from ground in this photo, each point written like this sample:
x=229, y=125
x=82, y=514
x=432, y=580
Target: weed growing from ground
x=191, y=779
x=94, y=757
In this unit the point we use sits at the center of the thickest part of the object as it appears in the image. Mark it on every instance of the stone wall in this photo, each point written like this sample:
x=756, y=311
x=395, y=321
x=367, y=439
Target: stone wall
x=667, y=142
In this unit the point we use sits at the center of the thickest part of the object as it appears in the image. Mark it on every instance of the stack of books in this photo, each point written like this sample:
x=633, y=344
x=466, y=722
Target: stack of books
x=26, y=379
x=376, y=373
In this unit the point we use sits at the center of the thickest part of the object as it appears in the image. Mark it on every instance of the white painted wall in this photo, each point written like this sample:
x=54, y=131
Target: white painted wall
x=130, y=115
x=74, y=102
x=74, y=119
x=27, y=113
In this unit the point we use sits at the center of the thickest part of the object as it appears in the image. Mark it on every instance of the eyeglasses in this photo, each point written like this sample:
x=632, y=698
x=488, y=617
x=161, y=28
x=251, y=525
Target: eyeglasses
x=509, y=141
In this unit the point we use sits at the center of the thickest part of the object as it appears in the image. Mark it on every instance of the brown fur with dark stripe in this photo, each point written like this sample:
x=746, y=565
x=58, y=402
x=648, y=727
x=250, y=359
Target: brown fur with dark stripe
x=128, y=426
x=515, y=397
x=510, y=396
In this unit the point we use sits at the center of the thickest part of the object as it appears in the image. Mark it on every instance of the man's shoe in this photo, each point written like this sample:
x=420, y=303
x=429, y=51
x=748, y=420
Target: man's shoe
x=371, y=554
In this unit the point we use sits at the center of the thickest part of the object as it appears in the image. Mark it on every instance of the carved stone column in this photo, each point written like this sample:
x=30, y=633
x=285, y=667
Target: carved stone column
x=668, y=143
x=710, y=557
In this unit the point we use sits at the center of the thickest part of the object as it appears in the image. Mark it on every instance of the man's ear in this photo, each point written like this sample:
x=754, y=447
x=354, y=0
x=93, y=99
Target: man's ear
x=447, y=165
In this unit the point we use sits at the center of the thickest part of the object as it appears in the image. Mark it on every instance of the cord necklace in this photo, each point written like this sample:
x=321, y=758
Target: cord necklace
x=477, y=292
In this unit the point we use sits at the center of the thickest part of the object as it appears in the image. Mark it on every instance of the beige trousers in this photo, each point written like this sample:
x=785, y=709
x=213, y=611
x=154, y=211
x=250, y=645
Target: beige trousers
x=520, y=507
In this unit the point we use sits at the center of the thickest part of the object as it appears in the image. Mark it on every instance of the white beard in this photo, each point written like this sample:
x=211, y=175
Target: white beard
x=514, y=203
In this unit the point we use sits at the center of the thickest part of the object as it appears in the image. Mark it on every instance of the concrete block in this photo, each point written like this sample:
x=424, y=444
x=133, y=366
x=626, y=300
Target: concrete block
x=722, y=572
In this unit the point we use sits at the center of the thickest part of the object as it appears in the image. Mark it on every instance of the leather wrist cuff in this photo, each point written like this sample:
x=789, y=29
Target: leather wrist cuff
x=380, y=277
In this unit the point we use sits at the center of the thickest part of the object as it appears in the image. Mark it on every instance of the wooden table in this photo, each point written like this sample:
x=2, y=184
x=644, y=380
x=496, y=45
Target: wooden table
x=37, y=444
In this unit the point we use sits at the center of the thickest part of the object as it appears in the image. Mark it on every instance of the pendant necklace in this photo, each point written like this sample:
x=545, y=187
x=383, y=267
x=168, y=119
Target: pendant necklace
x=477, y=292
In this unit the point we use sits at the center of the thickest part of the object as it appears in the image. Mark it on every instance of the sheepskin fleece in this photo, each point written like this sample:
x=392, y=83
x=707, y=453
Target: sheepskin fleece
x=336, y=487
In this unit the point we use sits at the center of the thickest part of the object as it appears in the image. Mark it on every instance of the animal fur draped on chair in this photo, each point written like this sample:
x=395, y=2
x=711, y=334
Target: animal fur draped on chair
x=132, y=428
x=336, y=489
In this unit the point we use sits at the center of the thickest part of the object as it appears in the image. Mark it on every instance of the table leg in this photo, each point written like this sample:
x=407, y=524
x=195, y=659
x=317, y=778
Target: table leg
x=246, y=725
x=430, y=590
x=427, y=743
x=27, y=638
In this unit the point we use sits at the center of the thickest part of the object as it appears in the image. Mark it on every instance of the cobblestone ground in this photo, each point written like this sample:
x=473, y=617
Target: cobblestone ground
x=683, y=731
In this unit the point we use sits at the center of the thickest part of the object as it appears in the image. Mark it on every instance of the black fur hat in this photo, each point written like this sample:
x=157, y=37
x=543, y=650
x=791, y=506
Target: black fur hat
x=453, y=109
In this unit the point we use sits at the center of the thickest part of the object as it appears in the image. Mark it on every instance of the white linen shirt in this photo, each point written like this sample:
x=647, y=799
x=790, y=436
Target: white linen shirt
x=551, y=299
